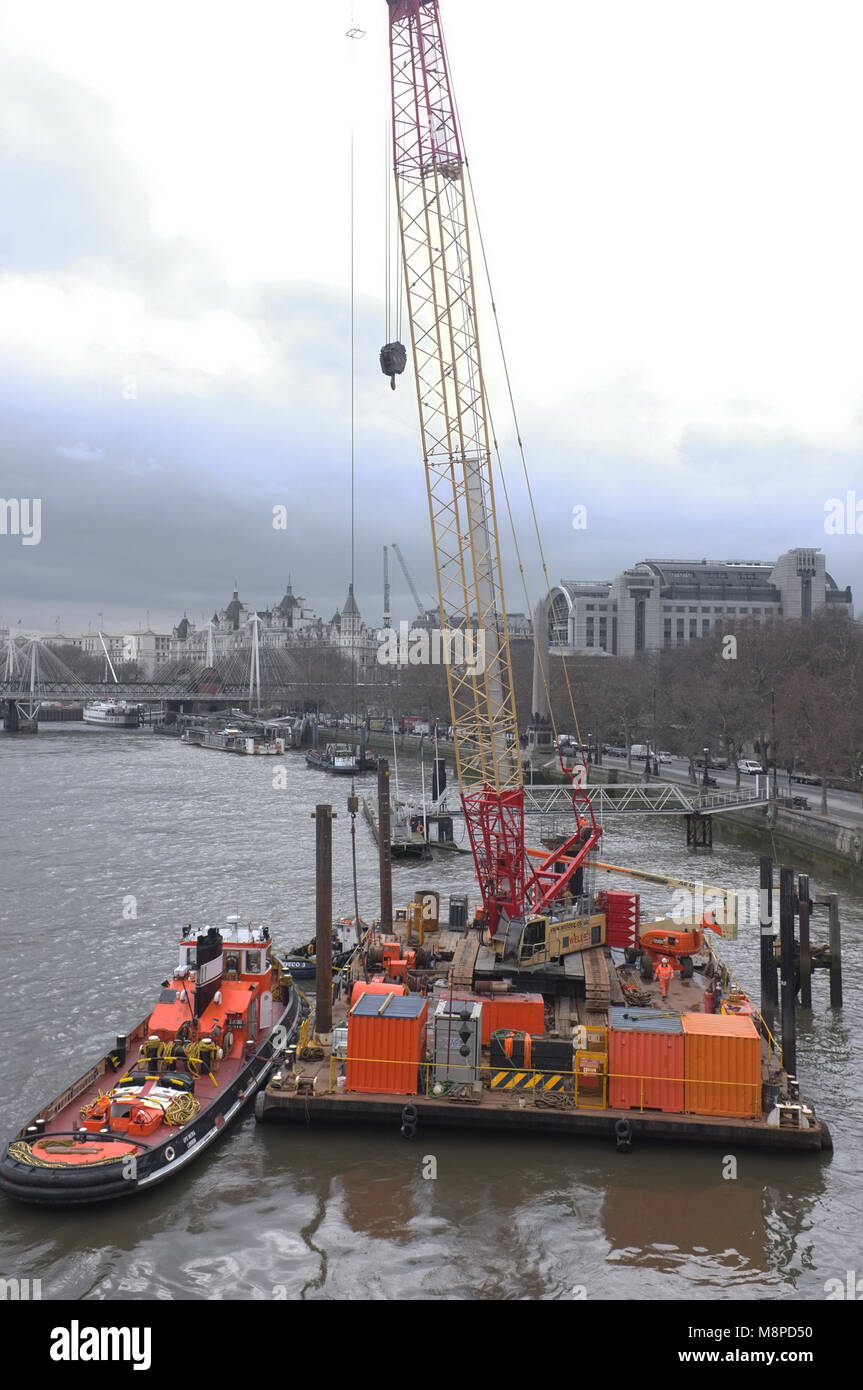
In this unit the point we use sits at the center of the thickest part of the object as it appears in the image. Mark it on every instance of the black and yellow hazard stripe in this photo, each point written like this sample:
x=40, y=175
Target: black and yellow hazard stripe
x=529, y=1080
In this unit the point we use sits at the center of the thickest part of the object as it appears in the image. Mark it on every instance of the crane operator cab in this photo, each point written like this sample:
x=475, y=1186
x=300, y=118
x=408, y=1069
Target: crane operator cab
x=536, y=940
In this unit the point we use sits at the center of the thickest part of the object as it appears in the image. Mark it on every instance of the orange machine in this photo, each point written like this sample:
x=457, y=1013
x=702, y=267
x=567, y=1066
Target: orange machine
x=679, y=943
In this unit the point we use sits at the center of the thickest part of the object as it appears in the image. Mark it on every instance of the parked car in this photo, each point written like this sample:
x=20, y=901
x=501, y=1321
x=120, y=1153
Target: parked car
x=717, y=761
x=749, y=765
x=665, y=757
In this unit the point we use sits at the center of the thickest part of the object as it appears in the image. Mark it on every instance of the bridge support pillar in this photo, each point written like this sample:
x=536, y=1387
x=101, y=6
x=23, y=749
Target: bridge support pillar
x=16, y=721
x=699, y=830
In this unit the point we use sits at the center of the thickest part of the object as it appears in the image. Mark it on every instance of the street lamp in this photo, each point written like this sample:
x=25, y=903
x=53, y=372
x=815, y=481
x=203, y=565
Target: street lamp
x=773, y=737
x=705, y=781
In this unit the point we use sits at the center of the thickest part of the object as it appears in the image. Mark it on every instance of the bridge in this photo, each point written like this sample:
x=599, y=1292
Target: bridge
x=33, y=675
x=637, y=798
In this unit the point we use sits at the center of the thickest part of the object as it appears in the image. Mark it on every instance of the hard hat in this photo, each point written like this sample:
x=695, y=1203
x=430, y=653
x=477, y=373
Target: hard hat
x=665, y=960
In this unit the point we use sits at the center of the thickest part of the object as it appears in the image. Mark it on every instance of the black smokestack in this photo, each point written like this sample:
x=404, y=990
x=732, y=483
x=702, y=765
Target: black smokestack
x=208, y=968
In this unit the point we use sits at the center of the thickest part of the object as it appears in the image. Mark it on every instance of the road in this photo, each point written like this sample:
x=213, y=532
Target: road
x=842, y=806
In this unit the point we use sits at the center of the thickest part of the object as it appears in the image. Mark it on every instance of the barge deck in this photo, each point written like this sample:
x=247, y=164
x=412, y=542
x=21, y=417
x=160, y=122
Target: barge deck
x=527, y=1101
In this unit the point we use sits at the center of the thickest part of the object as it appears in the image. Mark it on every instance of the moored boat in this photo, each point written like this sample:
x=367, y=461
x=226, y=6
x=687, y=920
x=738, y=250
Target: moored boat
x=168, y=1088
x=233, y=741
x=339, y=759
x=348, y=934
x=114, y=714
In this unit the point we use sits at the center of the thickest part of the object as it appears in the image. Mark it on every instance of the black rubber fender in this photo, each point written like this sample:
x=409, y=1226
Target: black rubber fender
x=623, y=1136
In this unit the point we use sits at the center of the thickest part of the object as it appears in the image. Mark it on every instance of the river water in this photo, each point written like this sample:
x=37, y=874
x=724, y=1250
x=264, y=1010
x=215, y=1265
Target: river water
x=112, y=841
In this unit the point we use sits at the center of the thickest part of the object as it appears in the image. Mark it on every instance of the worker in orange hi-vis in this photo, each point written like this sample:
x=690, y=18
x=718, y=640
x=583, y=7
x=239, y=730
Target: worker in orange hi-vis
x=664, y=974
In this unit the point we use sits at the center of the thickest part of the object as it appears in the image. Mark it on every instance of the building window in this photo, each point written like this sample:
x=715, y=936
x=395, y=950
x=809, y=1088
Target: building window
x=693, y=629
x=666, y=608
x=705, y=626
x=680, y=632
x=589, y=607
x=666, y=634
x=589, y=639
x=603, y=633
x=680, y=610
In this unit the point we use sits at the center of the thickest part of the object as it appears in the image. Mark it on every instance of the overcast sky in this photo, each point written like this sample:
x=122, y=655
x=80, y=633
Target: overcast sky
x=671, y=203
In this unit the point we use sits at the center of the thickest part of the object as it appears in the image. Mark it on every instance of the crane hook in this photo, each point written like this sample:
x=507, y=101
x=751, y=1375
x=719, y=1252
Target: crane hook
x=393, y=360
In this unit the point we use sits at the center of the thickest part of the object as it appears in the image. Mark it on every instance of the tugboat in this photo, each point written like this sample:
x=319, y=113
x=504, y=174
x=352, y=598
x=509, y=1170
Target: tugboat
x=167, y=1090
x=340, y=759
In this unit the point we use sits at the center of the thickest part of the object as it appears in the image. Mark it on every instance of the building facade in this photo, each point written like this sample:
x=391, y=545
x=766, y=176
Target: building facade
x=669, y=603
x=287, y=625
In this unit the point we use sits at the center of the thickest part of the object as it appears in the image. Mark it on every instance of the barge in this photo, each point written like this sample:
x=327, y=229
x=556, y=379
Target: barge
x=234, y=741
x=435, y=1035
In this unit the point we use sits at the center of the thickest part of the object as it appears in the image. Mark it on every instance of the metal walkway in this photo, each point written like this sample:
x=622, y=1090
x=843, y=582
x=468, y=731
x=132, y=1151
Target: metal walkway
x=636, y=798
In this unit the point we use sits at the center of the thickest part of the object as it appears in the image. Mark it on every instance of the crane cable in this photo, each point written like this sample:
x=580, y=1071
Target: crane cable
x=353, y=33
x=526, y=475
x=518, y=437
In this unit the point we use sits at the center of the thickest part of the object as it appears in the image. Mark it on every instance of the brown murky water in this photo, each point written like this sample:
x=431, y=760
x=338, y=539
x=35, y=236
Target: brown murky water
x=93, y=818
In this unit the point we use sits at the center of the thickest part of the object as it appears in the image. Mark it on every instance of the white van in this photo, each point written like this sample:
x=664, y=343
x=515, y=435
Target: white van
x=749, y=765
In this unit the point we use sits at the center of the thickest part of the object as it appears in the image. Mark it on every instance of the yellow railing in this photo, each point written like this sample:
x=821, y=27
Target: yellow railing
x=570, y=1088
x=738, y=989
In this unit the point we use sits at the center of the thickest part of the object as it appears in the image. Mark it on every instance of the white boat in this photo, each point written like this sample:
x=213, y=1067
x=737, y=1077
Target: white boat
x=114, y=714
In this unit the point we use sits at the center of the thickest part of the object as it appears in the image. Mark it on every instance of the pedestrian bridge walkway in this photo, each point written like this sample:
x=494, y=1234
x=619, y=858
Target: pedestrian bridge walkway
x=635, y=798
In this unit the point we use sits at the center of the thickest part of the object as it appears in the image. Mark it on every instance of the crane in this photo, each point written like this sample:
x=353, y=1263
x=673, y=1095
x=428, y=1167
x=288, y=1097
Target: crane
x=525, y=904
x=387, y=614
x=421, y=608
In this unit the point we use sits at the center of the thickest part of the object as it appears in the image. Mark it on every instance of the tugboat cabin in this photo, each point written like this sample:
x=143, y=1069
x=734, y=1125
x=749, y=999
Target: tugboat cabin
x=222, y=991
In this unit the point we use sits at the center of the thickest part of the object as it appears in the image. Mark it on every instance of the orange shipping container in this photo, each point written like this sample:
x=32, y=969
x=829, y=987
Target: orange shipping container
x=376, y=987
x=524, y=1012
x=646, y=1066
x=386, y=1044
x=722, y=1065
